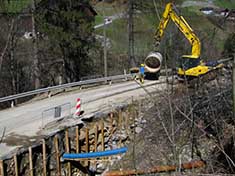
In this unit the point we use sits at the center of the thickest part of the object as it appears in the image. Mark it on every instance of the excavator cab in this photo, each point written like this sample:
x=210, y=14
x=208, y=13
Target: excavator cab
x=191, y=68
x=187, y=62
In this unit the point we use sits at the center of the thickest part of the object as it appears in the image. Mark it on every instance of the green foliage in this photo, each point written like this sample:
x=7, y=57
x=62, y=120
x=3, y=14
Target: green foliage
x=68, y=25
x=99, y=19
x=13, y=6
x=229, y=46
x=225, y=3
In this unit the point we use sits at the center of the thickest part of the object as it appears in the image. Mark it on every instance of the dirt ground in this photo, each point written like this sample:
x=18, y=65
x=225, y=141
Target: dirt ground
x=178, y=128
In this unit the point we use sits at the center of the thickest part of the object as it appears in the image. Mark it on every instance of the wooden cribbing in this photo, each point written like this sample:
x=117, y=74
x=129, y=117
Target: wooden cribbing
x=57, y=153
x=2, y=168
x=30, y=161
x=77, y=140
x=16, y=165
x=68, y=150
x=44, y=157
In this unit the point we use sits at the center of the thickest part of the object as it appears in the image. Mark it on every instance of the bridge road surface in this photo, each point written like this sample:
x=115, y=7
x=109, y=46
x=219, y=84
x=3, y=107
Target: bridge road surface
x=26, y=120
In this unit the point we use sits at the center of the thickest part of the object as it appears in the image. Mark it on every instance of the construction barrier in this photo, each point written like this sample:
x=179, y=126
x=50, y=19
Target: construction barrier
x=94, y=154
x=78, y=107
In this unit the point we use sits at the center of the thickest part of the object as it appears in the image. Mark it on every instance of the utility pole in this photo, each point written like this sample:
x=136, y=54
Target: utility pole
x=131, y=57
x=105, y=47
x=233, y=86
x=12, y=58
x=36, y=73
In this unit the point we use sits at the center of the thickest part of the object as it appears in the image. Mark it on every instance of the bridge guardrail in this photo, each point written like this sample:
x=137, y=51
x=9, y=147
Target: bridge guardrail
x=63, y=86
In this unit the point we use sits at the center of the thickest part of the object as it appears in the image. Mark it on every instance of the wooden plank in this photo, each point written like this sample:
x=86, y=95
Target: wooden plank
x=44, y=157
x=102, y=136
x=57, y=153
x=126, y=121
x=119, y=120
x=30, y=161
x=96, y=138
x=68, y=150
x=111, y=117
x=2, y=168
x=96, y=142
x=77, y=140
x=87, y=140
x=16, y=165
x=87, y=144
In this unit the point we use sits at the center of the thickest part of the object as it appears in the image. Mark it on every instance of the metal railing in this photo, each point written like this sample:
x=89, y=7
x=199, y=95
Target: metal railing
x=55, y=113
x=63, y=86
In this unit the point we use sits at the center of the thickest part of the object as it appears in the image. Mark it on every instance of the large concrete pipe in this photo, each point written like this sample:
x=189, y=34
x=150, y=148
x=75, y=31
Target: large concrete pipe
x=153, y=62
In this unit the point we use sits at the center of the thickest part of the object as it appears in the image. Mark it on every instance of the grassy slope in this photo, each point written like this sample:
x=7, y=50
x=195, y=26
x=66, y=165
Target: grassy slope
x=204, y=28
x=118, y=30
x=145, y=25
x=14, y=6
x=230, y=4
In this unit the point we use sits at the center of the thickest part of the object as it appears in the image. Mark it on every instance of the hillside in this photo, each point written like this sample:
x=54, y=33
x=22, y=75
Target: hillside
x=211, y=30
x=182, y=124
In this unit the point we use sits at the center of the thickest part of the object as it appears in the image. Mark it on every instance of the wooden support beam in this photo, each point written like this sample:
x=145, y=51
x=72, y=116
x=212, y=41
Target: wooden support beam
x=30, y=161
x=102, y=136
x=2, y=173
x=96, y=141
x=68, y=151
x=77, y=140
x=126, y=119
x=112, y=125
x=96, y=138
x=111, y=118
x=44, y=157
x=57, y=153
x=87, y=144
x=119, y=120
x=87, y=140
x=16, y=165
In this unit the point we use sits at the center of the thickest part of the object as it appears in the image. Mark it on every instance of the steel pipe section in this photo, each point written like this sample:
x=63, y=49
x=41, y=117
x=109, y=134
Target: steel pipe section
x=157, y=169
x=153, y=62
x=94, y=154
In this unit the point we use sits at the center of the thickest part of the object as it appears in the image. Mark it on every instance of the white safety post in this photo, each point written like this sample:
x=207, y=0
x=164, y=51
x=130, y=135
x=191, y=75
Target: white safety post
x=78, y=107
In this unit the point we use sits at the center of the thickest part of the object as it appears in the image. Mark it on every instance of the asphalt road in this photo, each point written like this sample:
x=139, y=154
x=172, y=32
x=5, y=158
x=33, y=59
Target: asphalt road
x=28, y=120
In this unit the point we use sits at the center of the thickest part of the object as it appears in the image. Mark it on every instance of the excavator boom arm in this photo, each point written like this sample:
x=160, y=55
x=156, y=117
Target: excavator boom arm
x=183, y=26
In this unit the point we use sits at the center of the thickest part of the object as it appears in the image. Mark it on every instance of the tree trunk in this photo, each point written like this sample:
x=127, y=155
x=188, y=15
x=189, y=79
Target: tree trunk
x=36, y=70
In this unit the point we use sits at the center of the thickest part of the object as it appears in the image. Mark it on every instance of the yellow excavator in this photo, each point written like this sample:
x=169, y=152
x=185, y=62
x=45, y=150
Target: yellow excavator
x=191, y=65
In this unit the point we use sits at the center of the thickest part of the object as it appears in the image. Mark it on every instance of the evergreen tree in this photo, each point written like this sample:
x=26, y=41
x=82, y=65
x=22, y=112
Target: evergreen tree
x=229, y=46
x=68, y=25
